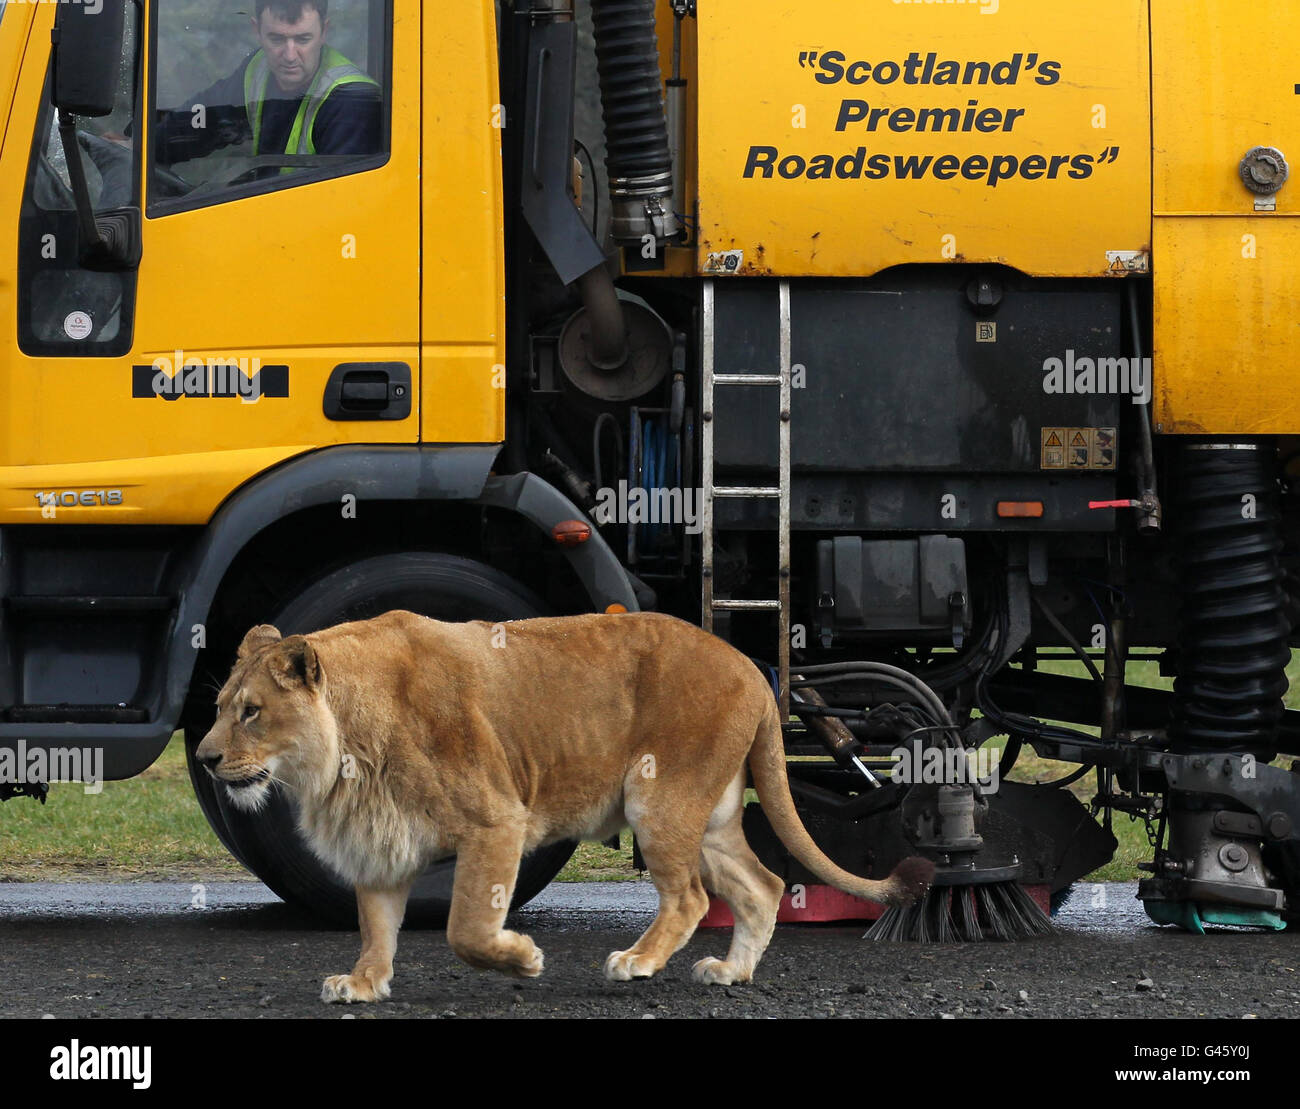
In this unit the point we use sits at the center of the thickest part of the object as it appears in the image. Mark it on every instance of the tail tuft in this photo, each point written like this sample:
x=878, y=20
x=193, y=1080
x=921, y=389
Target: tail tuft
x=910, y=880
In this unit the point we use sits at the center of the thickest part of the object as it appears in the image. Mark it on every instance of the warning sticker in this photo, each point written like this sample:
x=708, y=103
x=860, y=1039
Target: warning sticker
x=1078, y=448
x=725, y=263
x=1127, y=261
x=1103, y=448
x=1053, y=449
x=1076, y=457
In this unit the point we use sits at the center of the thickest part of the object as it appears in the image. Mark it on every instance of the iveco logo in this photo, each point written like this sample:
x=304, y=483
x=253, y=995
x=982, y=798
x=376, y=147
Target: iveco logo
x=244, y=378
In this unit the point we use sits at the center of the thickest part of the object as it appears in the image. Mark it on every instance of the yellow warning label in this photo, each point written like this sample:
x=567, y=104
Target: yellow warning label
x=1076, y=457
x=1078, y=448
x=1053, y=449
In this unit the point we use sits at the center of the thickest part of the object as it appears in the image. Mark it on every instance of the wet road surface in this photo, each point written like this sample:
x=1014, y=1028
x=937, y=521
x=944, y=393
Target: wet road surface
x=119, y=950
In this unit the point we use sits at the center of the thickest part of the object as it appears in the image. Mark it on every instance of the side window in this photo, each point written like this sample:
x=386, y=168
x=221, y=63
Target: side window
x=64, y=307
x=254, y=95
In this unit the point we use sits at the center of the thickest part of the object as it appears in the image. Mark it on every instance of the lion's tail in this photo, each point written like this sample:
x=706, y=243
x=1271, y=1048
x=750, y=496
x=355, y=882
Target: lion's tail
x=910, y=878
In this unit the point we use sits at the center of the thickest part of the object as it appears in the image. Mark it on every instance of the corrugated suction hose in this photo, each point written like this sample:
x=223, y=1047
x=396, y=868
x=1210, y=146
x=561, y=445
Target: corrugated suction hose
x=1233, y=632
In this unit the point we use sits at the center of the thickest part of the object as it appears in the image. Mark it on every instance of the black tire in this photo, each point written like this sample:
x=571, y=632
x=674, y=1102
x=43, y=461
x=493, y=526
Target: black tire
x=205, y=790
x=269, y=843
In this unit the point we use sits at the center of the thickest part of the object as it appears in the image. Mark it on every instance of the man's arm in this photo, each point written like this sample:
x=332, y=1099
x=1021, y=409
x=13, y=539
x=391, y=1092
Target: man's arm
x=351, y=121
x=224, y=119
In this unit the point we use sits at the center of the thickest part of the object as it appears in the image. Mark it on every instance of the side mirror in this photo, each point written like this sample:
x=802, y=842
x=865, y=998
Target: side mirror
x=87, y=53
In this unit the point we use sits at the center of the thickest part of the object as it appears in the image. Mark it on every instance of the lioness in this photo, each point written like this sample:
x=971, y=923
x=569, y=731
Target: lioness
x=407, y=739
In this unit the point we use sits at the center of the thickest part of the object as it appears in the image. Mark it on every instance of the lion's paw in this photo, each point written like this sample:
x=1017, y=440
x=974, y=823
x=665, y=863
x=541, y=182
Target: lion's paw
x=350, y=987
x=623, y=966
x=716, y=972
x=533, y=967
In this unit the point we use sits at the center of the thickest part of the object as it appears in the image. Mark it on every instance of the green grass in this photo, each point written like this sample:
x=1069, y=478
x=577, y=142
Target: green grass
x=594, y=862
x=1130, y=833
x=151, y=827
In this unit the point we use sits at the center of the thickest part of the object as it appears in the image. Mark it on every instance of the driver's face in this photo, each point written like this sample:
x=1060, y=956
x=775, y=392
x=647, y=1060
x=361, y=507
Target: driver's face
x=292, y=49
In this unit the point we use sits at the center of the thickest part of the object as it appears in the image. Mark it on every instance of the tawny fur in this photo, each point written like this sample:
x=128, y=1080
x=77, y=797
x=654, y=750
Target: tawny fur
x=407, y=739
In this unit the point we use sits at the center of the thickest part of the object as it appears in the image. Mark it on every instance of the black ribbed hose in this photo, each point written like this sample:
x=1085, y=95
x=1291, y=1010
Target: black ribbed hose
x=1232, y=632
x=631, y=88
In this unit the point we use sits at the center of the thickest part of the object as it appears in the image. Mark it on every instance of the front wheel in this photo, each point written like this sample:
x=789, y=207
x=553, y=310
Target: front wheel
x=268, y=842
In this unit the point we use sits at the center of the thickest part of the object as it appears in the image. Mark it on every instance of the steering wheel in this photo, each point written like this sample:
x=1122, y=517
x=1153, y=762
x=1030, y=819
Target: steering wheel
x=111, y=159
x=172, y=184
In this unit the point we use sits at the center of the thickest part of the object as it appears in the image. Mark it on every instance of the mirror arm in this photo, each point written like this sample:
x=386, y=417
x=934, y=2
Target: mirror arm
x=91, y=240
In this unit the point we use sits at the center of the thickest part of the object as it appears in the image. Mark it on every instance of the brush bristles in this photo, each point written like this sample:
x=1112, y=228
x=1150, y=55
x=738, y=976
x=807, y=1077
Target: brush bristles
x=965, y=914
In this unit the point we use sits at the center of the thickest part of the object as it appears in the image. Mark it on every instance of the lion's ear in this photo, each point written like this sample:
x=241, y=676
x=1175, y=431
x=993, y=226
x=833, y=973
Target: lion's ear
x=261, y=636
x=295, y=663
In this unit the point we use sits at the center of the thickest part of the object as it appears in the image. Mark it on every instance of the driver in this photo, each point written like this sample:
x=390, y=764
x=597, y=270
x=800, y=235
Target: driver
x=294, y=95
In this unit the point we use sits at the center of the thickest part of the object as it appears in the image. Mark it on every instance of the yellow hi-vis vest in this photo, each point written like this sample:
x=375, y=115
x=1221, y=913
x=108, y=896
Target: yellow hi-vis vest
x=334, y=71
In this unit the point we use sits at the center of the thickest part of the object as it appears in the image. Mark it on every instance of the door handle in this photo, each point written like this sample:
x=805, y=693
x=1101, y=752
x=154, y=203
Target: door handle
x=369, y=391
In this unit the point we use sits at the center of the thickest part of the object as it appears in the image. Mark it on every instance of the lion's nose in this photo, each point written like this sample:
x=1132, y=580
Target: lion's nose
x=211, y=762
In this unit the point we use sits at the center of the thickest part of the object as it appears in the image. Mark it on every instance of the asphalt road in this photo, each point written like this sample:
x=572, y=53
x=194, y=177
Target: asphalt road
x=145, y=950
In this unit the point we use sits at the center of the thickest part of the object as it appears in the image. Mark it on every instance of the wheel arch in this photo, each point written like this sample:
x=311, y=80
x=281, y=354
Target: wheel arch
x=448, y=486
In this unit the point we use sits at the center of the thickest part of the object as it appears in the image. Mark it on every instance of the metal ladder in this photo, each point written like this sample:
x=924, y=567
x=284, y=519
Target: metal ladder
x=780, y=492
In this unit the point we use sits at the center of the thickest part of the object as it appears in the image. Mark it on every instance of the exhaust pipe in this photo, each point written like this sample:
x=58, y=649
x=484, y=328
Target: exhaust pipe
x=607, y=335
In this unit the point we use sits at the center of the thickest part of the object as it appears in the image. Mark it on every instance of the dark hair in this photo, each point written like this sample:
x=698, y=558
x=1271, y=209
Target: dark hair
x=292, y=10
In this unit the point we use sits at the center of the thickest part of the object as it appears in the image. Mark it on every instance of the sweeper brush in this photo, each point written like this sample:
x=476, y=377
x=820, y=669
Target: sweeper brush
x=966, y=902
x=965, y=914
x=971, y=898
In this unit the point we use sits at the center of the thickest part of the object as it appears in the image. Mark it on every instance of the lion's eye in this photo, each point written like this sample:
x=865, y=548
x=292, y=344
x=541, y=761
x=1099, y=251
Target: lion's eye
x=249, y=713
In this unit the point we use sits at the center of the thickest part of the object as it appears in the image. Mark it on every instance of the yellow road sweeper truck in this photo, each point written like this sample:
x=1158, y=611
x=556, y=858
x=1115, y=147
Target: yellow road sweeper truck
x=912, y=347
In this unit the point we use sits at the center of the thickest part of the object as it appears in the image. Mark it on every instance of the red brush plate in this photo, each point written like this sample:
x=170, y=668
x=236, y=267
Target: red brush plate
x=823, y=904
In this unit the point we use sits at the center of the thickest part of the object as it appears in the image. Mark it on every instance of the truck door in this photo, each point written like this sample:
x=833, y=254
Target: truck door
x=275, y=157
